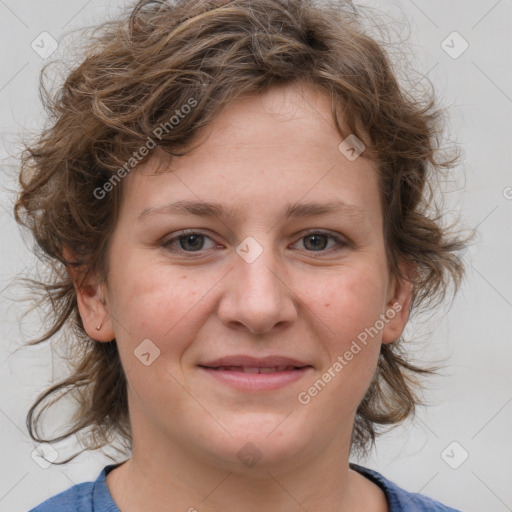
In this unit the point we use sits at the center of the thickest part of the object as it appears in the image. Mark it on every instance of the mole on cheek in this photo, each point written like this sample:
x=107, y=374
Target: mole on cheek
x=326, y=305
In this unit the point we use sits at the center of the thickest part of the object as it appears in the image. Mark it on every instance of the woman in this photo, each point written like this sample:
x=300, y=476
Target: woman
x=199, y=155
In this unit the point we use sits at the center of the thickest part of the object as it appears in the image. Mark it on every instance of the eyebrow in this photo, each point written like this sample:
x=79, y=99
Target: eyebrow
x=293, y=210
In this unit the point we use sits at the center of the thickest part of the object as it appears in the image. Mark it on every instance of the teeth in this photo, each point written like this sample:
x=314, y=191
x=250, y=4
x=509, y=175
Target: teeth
x=246, y=369
x=269, y=370
x=276, y=369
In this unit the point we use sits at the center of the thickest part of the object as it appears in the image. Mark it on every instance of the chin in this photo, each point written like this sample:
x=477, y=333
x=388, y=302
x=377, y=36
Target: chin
x=258, y=449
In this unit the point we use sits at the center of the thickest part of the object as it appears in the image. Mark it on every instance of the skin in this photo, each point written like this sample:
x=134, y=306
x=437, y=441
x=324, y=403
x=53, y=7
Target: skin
x=261, y=153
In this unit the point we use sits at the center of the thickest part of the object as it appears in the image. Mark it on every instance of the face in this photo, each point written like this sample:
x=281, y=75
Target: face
x=199, y=301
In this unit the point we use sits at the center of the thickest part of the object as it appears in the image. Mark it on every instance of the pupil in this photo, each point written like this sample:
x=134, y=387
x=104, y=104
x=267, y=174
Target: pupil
x=316, y=238
x=196, y=241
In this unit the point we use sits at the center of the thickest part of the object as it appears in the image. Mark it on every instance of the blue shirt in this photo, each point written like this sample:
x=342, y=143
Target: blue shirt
x=95, y=496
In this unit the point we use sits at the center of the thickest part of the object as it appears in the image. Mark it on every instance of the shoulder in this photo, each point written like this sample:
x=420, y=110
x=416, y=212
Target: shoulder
x=83, y=497
x=399, y=499
x=76, y=498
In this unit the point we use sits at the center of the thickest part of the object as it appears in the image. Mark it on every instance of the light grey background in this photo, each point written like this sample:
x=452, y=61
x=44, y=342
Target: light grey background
x=470, y=405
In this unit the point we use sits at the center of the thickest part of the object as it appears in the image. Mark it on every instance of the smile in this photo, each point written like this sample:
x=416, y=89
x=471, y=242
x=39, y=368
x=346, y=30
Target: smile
x=257, y=379
x=252, y=369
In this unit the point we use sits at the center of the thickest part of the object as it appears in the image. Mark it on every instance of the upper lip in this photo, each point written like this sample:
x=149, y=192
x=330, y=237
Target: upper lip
x=254, y=362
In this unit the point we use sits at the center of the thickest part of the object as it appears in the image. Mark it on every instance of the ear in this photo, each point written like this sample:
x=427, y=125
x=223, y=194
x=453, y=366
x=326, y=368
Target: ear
x=398, y=305
x=91, y=299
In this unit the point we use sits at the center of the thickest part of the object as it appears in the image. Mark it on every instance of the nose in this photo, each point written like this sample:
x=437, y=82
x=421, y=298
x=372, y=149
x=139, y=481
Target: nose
x=258, y=295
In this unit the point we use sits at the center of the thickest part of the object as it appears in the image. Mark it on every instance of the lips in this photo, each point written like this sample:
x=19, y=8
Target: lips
x=250, y=364
x=254, y=369
x=256, y=374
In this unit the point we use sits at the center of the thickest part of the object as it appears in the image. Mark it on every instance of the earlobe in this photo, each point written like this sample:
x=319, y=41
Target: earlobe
x=94, y=312
x=398, y=308
x=92, y=305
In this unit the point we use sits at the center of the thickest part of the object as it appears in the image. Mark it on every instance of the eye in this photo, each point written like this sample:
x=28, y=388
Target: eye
x=318, y=241
x=193, y=241
x=188, y=241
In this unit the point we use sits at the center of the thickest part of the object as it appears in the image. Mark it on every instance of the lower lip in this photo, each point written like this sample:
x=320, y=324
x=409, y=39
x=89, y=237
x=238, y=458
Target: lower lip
x=257, y=381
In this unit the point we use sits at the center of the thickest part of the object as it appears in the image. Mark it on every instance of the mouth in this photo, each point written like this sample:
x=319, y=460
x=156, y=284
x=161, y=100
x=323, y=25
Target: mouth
x=252, y=374
x=254, y=369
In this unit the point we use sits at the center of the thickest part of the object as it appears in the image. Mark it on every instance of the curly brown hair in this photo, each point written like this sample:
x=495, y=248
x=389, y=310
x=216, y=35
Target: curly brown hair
x=147, y=64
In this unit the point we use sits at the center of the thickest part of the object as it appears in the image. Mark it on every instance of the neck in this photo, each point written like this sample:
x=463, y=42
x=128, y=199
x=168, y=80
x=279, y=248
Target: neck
x=156, y=478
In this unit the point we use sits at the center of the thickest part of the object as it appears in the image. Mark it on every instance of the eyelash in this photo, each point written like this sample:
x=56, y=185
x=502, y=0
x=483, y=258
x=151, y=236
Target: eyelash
x=181, y=234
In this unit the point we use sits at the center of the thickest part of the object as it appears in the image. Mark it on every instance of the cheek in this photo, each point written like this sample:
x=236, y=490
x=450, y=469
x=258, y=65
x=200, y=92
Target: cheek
x=158, y=304
x=152, y=300
x=349, y=309
x=350, y=302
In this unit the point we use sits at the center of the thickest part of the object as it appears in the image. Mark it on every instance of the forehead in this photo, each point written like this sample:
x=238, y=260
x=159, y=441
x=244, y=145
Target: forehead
x=261, y=151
